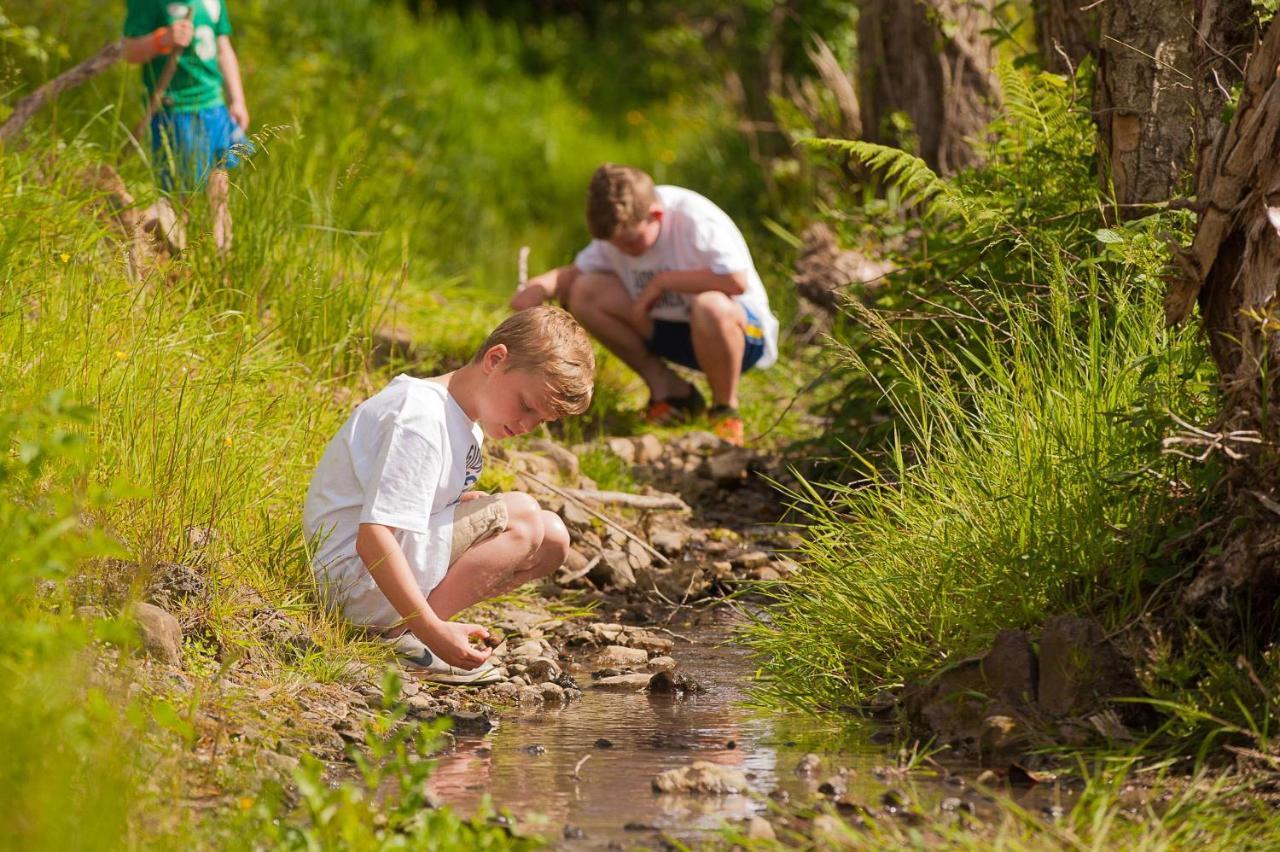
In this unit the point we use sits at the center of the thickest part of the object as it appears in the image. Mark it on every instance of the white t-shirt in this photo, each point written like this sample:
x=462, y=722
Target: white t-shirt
x=403, y=459
x=696, y=234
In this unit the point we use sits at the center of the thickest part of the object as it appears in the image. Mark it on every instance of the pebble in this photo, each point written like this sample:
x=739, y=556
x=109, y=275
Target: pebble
x=604, y=743
x=552, y=692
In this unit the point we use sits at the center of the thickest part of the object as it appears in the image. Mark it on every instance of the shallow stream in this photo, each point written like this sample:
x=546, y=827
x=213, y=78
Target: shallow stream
x=527, y=766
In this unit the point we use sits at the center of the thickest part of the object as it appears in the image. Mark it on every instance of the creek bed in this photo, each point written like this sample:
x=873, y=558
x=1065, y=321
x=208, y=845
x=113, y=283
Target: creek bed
x=526, y=766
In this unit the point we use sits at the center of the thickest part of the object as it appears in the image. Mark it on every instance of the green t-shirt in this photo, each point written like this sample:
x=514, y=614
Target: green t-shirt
x=197, y=83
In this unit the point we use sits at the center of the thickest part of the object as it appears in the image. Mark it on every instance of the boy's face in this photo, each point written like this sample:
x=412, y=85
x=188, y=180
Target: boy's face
x=512, y=402
x=635, y=240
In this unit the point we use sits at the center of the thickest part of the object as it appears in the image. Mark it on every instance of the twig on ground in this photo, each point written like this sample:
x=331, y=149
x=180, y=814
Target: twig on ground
x=645, y=502
x=578, y=765
x=578, y=575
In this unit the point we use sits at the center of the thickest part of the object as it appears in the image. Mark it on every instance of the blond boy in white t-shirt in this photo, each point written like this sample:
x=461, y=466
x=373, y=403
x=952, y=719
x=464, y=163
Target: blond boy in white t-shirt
x=401, y=542
x=666, y=277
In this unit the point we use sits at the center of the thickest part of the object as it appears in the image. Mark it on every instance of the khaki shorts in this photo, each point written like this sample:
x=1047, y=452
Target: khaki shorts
x=475, y=521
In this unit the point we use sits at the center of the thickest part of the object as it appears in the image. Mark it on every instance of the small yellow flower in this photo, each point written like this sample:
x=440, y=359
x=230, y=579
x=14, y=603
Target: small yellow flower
x=246, y=803
x=226, y=442
x=121, y=355
x=64, y=257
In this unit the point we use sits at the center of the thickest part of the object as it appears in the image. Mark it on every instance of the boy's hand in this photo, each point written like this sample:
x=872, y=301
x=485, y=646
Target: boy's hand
x=179, y=34
x=239, y=114
x=641, y=307
x=530, y=295
x=453, y=644
x=472, y=495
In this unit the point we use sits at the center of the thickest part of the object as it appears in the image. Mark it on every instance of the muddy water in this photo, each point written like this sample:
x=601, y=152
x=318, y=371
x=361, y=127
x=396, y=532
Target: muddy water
x=527, y=765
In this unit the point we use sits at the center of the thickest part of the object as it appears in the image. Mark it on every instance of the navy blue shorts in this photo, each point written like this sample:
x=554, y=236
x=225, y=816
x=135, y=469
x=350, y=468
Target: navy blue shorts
x=673, y=340
x=186, y=146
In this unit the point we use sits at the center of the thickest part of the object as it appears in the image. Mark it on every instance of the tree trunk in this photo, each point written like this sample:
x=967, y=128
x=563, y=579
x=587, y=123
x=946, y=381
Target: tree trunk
x=78, y=75
x=1225, y=32
x=941, y=79
x=1233, y=268
x=1066, y=33
x=1145, y=101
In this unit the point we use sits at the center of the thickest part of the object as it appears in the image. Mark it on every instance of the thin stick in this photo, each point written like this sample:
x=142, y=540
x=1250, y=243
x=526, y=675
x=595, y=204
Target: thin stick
x=587, y=508
x=578, y=766
x=86, y=70
x=649, y=502
x=162, y=85
x=522, y=266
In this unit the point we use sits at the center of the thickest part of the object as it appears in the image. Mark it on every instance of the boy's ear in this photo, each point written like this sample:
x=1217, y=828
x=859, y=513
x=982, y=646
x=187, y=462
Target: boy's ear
x=655, y=212
x=494, y=357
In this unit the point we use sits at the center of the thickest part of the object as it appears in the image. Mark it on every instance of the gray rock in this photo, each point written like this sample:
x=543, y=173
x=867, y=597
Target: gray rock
x=650, y=642
x=702, y=777
x=623, y=448
x=1009, y=668
x=529, y=695
x=624, y=682
x=618, y=656
x=539, y=466
x=662, y=664
x=468, y=722
x=1079, y=668
x=566, y=461
x=759, y=828
x=673, y=683
x=541, y=670
x=729, y=468
x=669, y=542
x=613, y=571
x=1002, y=738
x=160, y=633
x=552, y=693
x=648, y=449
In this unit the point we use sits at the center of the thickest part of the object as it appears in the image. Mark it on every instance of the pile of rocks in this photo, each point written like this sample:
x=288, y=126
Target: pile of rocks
x=1017, y=696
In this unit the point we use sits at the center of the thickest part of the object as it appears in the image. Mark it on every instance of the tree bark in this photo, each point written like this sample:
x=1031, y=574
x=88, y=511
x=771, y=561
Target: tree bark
x=1066, y=33
x=941, y=79
x=1145, y=101
x=1233, y=268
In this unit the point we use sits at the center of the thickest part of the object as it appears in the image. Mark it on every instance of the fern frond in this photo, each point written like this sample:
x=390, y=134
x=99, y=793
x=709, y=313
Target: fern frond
x=910, y=174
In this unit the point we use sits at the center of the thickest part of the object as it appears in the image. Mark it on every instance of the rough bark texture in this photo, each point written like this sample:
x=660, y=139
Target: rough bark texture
x=86, y=70
x=941, y=79
x=1066, y=33
x=1145, y=100
x=1225, y=32
x=1233, y=268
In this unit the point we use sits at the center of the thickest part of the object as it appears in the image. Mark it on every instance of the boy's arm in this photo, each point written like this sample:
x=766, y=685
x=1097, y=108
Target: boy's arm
x=144, y=48
x=689, y=281
x=377, y=547
x=553, y=282
x=229, y=65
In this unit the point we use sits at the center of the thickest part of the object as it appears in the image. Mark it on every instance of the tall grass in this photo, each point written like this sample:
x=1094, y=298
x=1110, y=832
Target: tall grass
x=1026, y=479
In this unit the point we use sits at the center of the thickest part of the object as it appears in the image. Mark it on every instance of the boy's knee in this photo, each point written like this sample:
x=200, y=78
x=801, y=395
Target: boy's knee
x=714, y=307
x=524, y=517
x=589, y=290
x=555, y=537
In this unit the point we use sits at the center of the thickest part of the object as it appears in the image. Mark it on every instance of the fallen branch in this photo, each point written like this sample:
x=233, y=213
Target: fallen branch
x=76, y=76
x=646, y=502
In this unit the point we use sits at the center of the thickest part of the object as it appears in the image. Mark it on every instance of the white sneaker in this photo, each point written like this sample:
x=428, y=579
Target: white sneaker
x=417, y=658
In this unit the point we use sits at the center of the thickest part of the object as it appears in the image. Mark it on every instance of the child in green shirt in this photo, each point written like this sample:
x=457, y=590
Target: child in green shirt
x=199, y=128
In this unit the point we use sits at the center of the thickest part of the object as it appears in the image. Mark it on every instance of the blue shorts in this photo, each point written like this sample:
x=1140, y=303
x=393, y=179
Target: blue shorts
x=673, y=340
x=186, y=146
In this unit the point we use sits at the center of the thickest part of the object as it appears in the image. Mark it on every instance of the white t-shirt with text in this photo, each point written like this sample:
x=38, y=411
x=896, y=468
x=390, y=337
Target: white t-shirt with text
x=696, y=234
x=403, y=459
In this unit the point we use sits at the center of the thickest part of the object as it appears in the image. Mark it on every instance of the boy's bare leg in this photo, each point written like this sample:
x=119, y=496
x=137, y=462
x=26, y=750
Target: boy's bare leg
x=718, y=326
x=532, y=546
x=600, y=302
x=218, y=191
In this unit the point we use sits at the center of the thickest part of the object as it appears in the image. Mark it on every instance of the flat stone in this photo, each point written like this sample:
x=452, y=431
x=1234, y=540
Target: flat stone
x=566, y=461
x=468, y=722
x=662, y=664
x=624, y=682
x=552, y=693
x=669, y=542
x=160, y=633
x=729, y=468
x=648, y=449
x=623, y=448
x=650, y=642
x=1009, y=669
x=618, y=656
x=541, y=670
x=702, y=777
x=529, y=695
x=529, y=650
x=673, y=683
x=613, y=571
x=759, y=828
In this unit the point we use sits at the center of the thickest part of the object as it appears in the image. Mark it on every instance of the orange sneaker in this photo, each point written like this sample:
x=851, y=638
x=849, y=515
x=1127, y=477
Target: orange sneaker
x=673, y=409
x=727, y=426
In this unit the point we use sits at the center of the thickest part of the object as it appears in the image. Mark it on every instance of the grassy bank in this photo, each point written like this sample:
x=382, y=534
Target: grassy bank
x=176, y=419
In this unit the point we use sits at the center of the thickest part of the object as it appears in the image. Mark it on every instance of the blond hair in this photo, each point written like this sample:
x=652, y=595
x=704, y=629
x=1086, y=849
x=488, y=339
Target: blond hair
x=619, y=196
x=549, y=343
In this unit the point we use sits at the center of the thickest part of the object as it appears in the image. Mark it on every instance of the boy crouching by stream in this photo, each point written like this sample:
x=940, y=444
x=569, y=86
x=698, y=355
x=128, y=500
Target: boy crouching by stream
x=402, y=543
